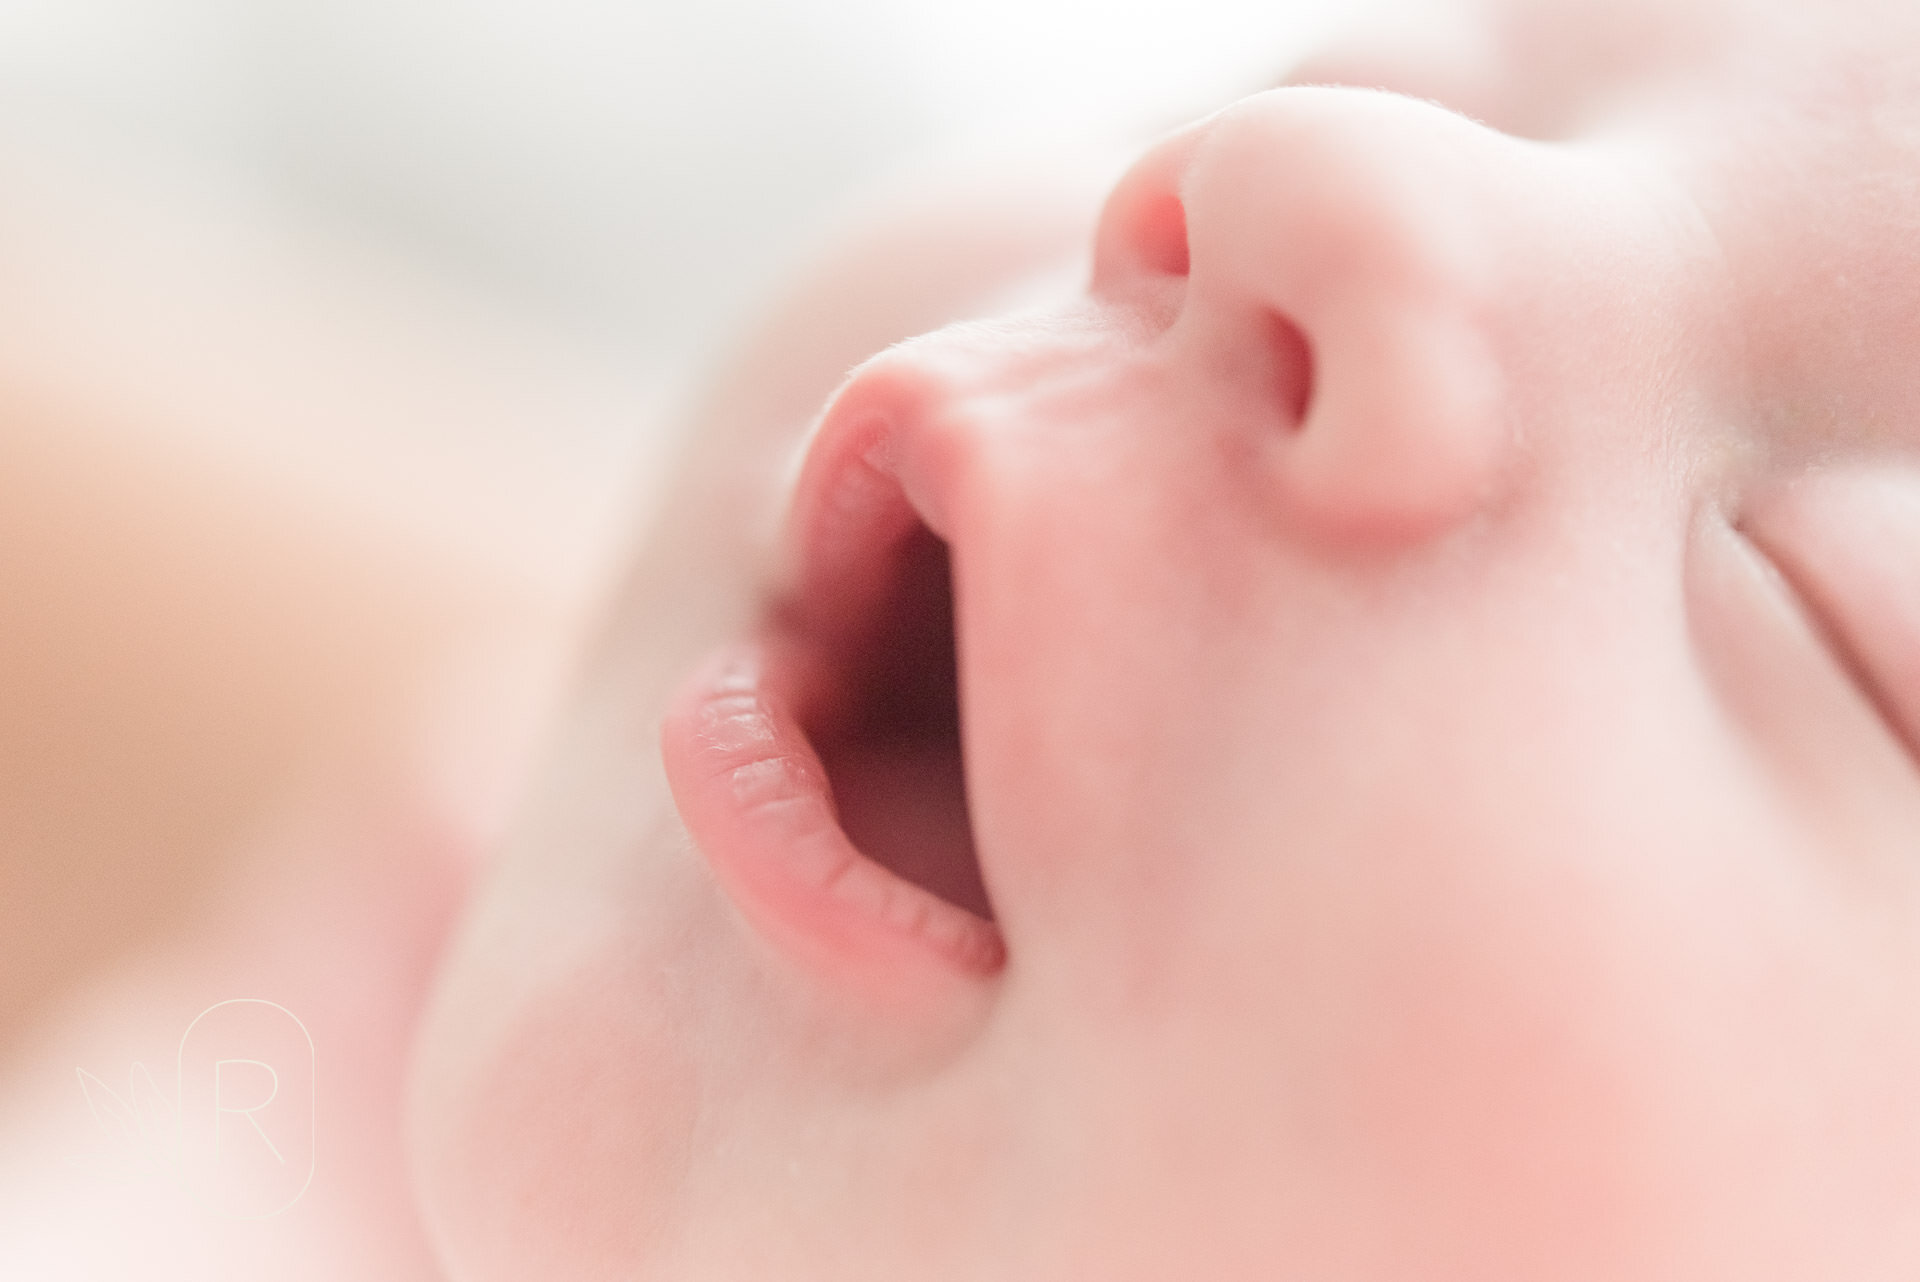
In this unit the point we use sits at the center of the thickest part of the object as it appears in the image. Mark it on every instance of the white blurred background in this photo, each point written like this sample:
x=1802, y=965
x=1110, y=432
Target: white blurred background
x=628, y=171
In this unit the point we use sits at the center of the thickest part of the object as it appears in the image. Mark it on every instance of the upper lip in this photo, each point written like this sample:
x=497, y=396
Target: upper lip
x=879, y=466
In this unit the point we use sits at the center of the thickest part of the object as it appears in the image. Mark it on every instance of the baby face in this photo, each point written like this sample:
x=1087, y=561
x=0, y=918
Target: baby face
x=1382, y=741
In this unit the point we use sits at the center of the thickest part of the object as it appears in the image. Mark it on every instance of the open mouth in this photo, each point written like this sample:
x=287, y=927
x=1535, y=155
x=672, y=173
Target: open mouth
x=820, y=766
x=889, y=734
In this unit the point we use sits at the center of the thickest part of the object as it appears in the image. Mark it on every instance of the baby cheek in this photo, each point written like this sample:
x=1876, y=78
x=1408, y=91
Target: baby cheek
x=568, y=1152
x=1501, y=1125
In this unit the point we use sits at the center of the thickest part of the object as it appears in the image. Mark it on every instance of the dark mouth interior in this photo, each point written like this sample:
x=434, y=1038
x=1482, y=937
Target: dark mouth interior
x=892, y=748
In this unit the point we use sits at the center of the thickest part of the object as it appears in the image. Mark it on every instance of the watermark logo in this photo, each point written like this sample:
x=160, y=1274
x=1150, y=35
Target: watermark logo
x=239, y=1133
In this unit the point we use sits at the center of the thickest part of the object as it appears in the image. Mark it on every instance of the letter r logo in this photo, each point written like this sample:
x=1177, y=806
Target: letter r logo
x=247, y=1108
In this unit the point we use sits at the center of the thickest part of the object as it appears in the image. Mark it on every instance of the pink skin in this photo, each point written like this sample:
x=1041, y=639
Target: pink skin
x=1439, y=692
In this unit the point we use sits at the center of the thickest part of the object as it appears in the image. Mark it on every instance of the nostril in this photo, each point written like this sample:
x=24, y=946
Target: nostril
x=1292, y=358
x=1160, y=233
x=1141, y=239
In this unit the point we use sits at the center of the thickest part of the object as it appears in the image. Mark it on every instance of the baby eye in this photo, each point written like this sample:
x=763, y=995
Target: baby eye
x=1847, y=540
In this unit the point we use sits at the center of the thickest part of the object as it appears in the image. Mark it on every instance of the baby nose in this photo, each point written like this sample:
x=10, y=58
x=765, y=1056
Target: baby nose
x=1363, y=252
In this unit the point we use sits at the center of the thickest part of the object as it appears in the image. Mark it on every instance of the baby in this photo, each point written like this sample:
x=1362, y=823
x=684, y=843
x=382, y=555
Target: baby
x=1373, y=733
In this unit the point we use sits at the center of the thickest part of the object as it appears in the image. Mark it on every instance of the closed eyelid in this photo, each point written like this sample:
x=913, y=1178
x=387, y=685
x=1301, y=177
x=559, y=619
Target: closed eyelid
x=1822, y=623
x=1847, y=542
x=1789, y=696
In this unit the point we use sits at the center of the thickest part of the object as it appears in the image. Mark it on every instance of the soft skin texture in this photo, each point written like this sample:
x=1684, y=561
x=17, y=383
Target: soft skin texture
x=1439, y=686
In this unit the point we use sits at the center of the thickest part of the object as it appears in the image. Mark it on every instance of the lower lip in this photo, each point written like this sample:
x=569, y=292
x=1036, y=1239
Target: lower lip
x=755, y=799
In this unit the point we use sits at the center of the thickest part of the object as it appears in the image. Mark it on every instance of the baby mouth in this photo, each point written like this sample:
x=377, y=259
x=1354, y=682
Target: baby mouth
x=889, y=737
x=819, y=766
